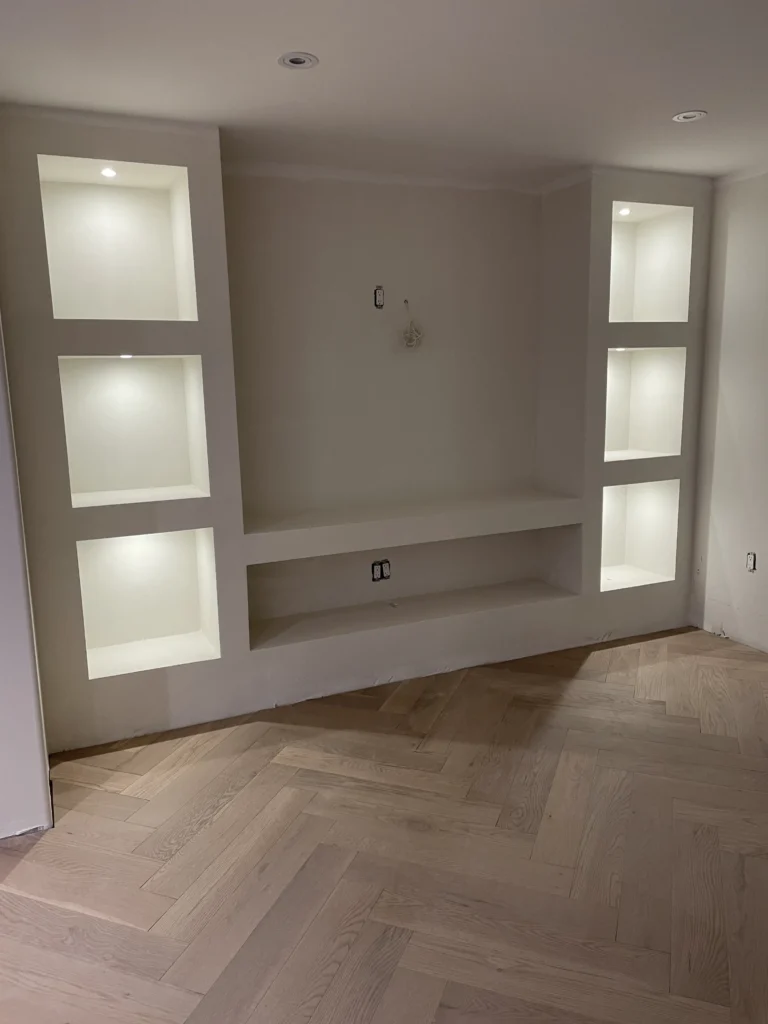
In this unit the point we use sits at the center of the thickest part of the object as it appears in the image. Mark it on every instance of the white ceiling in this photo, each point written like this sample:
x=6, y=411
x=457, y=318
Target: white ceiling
x=502, y=91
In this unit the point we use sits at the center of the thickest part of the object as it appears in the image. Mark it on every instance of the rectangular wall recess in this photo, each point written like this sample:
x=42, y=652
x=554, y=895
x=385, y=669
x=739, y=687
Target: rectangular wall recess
x=149, y=601
x=135, y=428
x=639, y=534
x=644, y=403
x=650, y=263
x=119, y=247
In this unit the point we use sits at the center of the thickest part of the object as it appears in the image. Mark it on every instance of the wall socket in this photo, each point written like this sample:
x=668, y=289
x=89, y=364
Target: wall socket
x=380, y=570
x=751, y=561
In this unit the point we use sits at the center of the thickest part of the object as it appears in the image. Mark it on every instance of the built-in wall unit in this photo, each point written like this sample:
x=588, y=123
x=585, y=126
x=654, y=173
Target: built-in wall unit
x=418, y=447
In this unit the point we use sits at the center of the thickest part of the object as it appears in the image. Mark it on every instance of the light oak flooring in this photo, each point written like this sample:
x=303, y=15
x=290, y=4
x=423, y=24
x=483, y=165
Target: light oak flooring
x=579, y=837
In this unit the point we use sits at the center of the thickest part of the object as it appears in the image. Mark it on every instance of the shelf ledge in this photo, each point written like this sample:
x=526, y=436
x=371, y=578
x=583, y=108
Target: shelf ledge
x=144, y=655
x=294, y=629
x=623, y=454
x=89, y=499
x=336, y=533
x=622, y=577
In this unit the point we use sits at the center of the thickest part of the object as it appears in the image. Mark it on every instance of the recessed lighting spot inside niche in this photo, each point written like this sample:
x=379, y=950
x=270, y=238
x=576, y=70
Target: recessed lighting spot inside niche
x=108, y=172
x=625, y=212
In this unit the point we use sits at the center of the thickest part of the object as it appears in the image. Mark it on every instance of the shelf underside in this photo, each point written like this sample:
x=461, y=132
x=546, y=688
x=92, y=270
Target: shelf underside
x=623, y=454
x=622, y=577
x=144, y=655
x=403, y=611
x=369, y=529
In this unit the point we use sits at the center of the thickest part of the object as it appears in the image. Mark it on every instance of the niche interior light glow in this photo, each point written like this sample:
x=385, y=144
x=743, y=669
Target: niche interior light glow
x=126, y=355
x=108, y=172
x=625, y=212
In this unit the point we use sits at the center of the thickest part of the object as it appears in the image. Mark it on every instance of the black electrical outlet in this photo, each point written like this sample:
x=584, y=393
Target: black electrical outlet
x=380, y=570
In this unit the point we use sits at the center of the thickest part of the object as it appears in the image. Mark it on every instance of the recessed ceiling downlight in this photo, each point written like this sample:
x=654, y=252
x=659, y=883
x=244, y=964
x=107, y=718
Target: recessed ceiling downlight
x=624, y=211
x=298, y=61
x=689, y=115
x=108, y=172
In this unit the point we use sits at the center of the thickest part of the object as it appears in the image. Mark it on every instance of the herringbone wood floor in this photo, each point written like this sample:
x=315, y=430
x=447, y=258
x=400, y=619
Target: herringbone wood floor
x=578, y=837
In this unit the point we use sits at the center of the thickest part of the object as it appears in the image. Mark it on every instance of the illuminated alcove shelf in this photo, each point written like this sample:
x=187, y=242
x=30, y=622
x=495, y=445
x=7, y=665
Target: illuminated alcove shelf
x=639, y=534
x=644, y=403
x=135, y=428
x=119, y=247
x=650, y=263
x=149, y=601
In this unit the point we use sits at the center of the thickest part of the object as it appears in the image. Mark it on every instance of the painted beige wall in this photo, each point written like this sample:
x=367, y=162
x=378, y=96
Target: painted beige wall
x=333, y=410
x=733, y=499
x=24, y=794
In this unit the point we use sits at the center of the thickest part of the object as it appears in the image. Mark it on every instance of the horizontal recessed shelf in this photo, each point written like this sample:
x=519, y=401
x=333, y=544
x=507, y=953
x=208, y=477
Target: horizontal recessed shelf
x=143, y=655
x=636, y=453
x=293, y=629
x=89, y=499
x=620, y=577
x=339, y=532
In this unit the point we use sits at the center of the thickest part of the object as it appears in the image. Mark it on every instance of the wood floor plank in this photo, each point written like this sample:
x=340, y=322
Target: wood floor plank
x=86, y=990
x=304, y=978
x=699, y=953
x=82, y=862
x=473, y=738
x=600, y=861
x=671, y=754
x=359, y=985
x=717, y=712
x=192, y=749
x=373, y=771
x=651, y=679
x=379, y=796
x=528, y=794
x=503, y=755
x=565, y=812
x=446, y=851
x=101, y=897
x=206, y=845
x=507, y=901
x=683, y=691
x=208, y=955
x=479, y=923
x=253, y=968
x=96, y=830
x=97, y=778
x=403, y=699
x=186, y=784
x=409, y=997
x=95, y=801
x=202, y=899
x=432, y=700
x=542, y=984
x=463, y=1004
x=745, y=891
x=85, y=937
x=646, y=887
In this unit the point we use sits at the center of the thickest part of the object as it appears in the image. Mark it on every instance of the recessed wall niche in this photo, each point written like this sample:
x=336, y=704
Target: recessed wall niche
x=119, y=246
x=650, y=263
x=639, y=534
x=135, y=428
x=644, y=403
x=149, y=601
